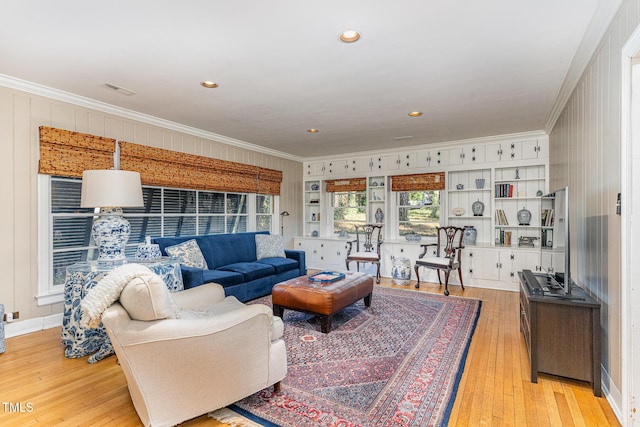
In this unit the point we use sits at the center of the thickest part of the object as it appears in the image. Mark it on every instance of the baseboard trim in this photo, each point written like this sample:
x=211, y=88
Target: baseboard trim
x=611, y=393
x=28, y=326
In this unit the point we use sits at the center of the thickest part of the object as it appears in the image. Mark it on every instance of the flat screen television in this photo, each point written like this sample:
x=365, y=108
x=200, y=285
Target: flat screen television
x=554, y=240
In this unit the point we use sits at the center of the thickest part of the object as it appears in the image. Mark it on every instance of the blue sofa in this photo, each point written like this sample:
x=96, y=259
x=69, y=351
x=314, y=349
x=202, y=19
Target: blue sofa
x=231, y=259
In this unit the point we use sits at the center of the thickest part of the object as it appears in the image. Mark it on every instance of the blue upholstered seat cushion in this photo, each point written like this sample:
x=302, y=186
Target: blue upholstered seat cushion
x=224, y=278
x=250, y=270
x=280, y=264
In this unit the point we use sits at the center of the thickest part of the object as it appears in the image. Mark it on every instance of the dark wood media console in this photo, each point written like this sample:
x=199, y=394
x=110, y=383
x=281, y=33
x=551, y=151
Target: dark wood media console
x=562, y=335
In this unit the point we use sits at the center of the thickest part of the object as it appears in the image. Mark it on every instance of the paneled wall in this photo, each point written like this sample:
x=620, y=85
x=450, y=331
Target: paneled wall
x=584, y=153
x=21, y=114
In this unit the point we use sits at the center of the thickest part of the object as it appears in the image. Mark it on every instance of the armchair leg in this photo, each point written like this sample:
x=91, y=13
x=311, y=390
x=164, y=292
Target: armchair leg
x=378, y=274
x=446, y=282
x=460, y=275
x=415, y=268
x=439, y=279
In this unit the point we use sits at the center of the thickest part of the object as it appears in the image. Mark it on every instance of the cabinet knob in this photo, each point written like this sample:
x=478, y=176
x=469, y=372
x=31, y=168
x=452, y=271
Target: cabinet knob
x=513, y=256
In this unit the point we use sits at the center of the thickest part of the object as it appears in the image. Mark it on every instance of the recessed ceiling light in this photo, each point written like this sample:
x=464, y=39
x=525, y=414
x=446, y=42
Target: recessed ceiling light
x=415, y=113
x=209, y=84
x=349, y=36
x=313, y=130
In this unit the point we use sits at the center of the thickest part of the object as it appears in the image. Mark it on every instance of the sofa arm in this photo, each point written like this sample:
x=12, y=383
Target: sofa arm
x=199, y=297
x=299, y=256
x=191, y=276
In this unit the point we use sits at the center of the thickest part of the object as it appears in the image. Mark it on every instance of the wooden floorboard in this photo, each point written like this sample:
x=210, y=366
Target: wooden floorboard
x=494, y=390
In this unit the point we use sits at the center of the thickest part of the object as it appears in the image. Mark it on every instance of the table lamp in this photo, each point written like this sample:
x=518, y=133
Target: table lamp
x=111, y=190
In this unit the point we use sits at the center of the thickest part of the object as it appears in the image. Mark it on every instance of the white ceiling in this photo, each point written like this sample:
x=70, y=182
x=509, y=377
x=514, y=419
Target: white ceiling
x=475, y=68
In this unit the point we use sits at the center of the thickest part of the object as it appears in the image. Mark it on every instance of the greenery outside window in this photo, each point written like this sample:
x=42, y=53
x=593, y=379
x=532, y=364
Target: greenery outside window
x=418, y=212
x=349, y=210
x=166, y=212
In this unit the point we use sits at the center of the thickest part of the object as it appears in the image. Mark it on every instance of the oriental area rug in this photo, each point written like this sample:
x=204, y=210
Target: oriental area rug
x=395, y=363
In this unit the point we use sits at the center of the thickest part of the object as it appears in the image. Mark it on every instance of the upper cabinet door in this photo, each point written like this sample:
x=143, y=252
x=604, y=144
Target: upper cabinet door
x=387, y=162
x=314, y=169
x=476, y=154
x=360, y=164
x=440, y=158
x=534, y=150
x=337, y=167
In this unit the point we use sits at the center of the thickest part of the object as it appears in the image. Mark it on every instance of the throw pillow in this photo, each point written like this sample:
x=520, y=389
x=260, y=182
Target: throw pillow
x=148, y=298
x=188, y=254
x=268, y=246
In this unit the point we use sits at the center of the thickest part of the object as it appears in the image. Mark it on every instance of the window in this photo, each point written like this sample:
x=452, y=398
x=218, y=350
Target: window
x=349, y=210
x=166, y=212
x=418, y=212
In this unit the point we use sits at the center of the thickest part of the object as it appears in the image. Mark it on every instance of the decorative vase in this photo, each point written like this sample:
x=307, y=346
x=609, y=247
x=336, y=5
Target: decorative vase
x=401, y=271
x=524, y=216
x=111, y=231
x=470, y=235
x=477, y=208
x=480, y=183
x=379, y=215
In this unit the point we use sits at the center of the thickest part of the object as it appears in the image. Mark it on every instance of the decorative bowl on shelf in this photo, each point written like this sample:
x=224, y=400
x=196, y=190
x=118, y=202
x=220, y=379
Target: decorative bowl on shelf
x=315, y=233
x=458, y=211
x=315, y=187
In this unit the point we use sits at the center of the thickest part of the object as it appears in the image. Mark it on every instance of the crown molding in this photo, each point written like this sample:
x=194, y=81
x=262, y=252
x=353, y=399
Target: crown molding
x=600, y=22
x=81, y=101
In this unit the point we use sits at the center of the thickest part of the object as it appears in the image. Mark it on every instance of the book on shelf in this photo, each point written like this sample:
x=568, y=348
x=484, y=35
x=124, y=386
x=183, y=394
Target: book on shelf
x=504, y=190
x=546, y=218
x=501, y=217
x=503, y=237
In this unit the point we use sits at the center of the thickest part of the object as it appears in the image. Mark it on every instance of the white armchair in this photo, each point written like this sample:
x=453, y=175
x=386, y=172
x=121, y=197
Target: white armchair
x=216, y=352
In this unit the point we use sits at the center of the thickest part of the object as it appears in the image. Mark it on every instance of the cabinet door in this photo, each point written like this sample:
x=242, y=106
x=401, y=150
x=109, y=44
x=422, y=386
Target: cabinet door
x=515, y=151
x=384, y=163
x=311, y=253
x=456, y=156
x=476, y=155
x=493, y=153
x=337, y=167
x=315, y=169
x=533, y=150
x=332, y=254
x=441, y=158
x=523, y=260
x=486, y=264
x=419, y=159
x=363, y=164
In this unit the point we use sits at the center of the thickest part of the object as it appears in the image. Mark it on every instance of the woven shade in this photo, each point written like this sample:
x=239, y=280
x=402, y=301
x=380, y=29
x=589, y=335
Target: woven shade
x=66, y=153
x=418, y=182
x=168, y=168
x=339, y=185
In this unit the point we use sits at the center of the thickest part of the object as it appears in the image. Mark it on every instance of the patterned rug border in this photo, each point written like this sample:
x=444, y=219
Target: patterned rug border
x=457, y=378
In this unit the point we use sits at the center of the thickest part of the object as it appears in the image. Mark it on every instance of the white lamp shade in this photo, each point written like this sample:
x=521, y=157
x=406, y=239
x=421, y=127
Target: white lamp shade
x=118, y=188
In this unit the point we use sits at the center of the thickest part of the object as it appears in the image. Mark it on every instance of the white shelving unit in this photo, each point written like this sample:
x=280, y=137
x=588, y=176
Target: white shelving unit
x=517, y=188
x=463, y=189
x=312, y=208
x=376, y=197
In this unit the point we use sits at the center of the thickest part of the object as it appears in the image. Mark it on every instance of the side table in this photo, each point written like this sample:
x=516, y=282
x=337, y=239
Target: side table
x=80, y=341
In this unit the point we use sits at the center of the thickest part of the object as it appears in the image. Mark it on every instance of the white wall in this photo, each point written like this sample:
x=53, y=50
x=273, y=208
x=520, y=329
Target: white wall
x=21, y=114
x=584, y=152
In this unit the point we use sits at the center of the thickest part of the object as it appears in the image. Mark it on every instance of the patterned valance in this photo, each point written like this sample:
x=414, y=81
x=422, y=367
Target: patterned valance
x=353, y=184
x=418, y=182
x=67, y=153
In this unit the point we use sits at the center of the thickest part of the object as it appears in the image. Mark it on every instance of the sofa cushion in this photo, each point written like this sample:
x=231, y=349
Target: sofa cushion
x=280, y=264
x=224, y=278
x=250, y=270
x=147, y=298
x=188, y=254
x=269, y=246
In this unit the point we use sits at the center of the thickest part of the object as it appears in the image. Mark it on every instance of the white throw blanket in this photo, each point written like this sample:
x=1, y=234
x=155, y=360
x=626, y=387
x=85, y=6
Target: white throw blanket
x=107, y=291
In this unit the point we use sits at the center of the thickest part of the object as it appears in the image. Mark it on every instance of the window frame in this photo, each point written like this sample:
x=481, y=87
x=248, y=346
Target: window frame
x=398, y=206
x=333, y=209
x=49, y=292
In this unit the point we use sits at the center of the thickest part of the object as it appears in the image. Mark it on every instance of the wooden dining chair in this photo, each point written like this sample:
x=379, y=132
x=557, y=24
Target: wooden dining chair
x=447, y=255
x=366, y=247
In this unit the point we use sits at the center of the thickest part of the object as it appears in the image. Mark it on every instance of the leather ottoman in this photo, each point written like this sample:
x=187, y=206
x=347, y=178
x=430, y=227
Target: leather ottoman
x=323, y=299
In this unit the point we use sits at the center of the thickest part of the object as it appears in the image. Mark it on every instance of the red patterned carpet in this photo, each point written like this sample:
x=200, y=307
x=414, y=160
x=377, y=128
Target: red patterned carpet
x=396, y=363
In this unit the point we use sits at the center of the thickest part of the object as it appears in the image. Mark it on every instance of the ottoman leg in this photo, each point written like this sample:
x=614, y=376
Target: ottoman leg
x=367, y=300
x=278, y=310
x=325, y=323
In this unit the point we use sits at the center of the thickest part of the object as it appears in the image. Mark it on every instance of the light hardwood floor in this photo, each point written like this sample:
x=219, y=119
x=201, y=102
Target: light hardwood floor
x=39, y=386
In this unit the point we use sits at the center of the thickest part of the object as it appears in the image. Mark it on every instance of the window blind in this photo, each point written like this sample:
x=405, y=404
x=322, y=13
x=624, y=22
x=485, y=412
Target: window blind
x=418, y=182
x=339, y=185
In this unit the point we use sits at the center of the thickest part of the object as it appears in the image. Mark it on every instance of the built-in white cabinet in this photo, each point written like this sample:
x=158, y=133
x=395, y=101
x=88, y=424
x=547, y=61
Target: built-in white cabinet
x=505, y=177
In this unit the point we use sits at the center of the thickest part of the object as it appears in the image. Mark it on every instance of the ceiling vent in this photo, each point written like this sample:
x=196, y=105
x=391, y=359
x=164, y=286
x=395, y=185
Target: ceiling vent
x=118, y=89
